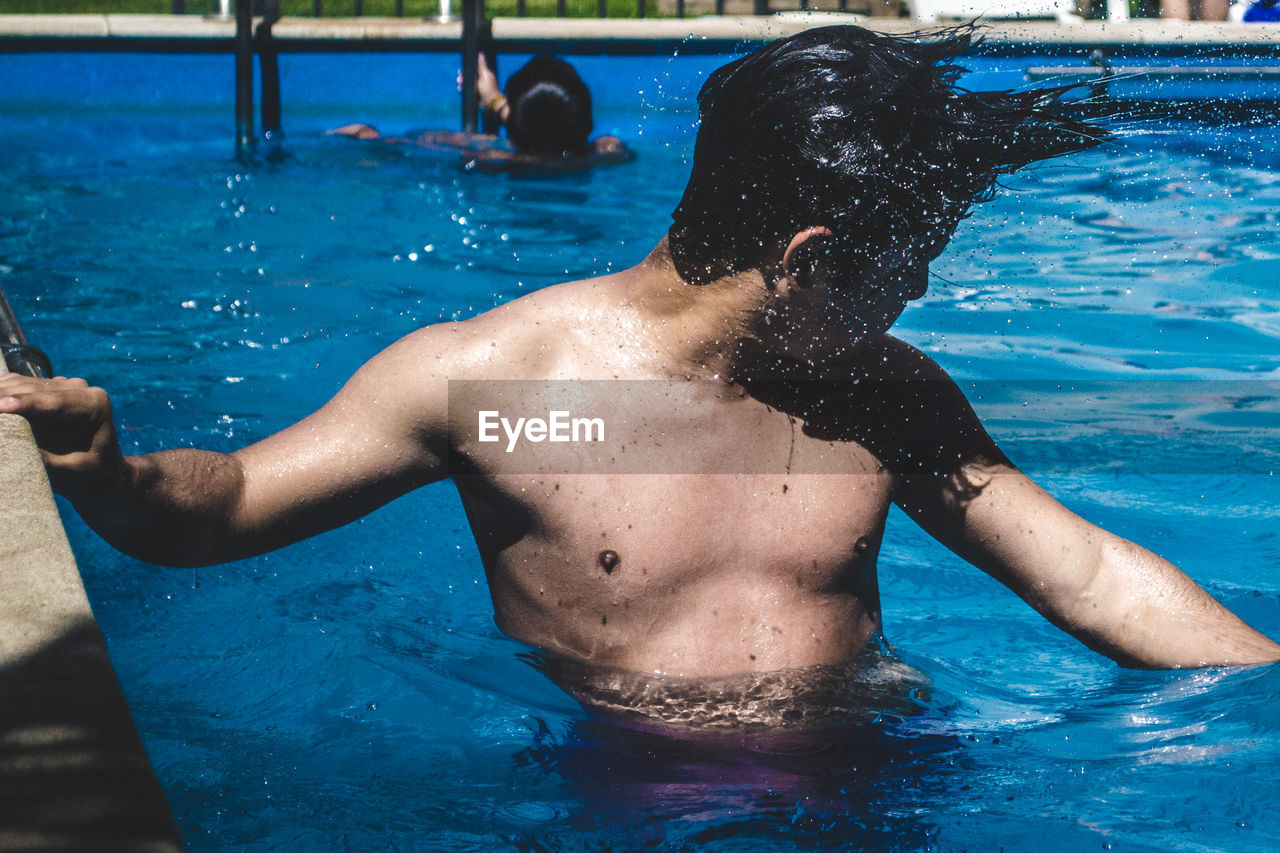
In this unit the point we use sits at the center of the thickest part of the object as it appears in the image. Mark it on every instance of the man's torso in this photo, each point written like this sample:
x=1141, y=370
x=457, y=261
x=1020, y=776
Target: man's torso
x=716, y=529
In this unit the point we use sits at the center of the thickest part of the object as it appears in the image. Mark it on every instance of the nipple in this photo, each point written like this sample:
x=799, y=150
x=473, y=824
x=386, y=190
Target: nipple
x=608, y=560
x=862, y=545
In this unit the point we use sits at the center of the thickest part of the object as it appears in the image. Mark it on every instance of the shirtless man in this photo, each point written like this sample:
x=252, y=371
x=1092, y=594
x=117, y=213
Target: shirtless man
x=760, y=422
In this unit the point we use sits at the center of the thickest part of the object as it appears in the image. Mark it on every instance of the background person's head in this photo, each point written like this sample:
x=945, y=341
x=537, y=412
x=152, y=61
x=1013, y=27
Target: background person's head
x=862, y=133
x=550, y=108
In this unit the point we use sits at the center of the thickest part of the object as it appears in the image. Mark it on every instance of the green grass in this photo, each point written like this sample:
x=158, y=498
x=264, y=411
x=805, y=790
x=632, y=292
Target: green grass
x=332, y=8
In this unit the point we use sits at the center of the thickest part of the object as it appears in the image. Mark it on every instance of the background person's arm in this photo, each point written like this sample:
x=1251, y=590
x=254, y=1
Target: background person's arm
x=490, y=93
x=1114, y=596
x=382, y=435
x=356, y=131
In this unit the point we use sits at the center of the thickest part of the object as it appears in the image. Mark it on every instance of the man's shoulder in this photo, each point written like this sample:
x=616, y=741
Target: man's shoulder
x=892, y=399
x=537, y=336
x=890, y=358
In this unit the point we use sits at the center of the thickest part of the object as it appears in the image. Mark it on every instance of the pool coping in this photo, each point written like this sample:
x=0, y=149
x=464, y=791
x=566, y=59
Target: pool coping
x=76, y=774
x=709, y=34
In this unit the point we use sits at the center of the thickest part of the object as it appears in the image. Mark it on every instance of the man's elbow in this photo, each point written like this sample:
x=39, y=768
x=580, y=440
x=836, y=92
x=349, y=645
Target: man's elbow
x=1144, y=613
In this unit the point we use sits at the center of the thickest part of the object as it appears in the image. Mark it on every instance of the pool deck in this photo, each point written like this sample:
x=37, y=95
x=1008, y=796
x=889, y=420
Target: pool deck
x=710, y=34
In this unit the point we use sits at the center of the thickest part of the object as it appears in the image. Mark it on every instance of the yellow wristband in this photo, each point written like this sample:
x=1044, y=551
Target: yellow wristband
x=496, y=104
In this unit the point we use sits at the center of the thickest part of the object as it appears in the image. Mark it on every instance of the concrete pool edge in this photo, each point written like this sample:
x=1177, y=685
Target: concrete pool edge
x=710, y=34
x=73, y=771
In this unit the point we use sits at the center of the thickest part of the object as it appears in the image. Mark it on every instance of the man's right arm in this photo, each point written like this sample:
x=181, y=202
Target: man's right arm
x=1113, y=595
x=382, y=435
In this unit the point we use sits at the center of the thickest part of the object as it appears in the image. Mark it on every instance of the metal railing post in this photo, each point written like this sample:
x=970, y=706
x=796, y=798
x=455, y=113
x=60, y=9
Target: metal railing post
x=19, y=357
x=472, y=16
x=269, y=66
x=244, y=76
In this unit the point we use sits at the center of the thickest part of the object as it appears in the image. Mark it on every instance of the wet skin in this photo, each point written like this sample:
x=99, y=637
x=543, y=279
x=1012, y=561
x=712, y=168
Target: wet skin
x=730, y=524
x=714, y=573
x=763, y=560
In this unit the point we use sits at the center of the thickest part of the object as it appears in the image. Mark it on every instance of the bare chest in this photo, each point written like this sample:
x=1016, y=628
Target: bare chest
x=665, y=479
x=684, y=572
x=691, y=518
x=645, y=538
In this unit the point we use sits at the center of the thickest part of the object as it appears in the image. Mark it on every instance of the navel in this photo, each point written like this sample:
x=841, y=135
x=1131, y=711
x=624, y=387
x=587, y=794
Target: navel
x=608, y=560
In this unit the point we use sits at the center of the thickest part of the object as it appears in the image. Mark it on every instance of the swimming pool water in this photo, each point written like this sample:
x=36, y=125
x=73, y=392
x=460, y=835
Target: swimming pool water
x=1114, y=317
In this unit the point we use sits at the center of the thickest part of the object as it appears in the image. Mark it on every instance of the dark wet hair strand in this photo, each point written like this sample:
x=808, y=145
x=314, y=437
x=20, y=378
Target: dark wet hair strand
x=865, y=133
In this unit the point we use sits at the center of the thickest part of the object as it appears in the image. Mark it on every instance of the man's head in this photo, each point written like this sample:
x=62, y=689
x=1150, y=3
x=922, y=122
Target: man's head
x=861, y=134
x=550, y=108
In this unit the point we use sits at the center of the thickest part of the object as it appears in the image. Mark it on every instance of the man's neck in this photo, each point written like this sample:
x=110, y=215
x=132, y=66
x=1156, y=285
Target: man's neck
x=707, y=331
x=720, y=330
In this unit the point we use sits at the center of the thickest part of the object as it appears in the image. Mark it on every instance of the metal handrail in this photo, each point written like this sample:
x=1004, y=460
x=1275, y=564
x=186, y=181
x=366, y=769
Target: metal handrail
x=472, y=22
x=269, y=67
x=244, y=76
x=249, y=41
x=19, y=356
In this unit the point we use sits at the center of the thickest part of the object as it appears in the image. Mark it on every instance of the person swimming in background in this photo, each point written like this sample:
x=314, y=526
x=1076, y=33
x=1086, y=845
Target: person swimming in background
x=546, y=111
x=719, y=541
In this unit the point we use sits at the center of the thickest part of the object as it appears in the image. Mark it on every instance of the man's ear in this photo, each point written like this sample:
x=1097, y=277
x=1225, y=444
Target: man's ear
x=801, y=256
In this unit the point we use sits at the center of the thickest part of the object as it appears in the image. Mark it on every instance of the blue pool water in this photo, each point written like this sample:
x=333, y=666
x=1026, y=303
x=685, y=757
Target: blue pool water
x=1115, y=317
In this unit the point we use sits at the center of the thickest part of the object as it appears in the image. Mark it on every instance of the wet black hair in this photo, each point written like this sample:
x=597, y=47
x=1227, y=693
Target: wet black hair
x=550, y=108
x=866, y=134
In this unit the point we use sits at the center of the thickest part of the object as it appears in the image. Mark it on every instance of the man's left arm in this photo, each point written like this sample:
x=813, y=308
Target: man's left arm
x=1114, y=596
